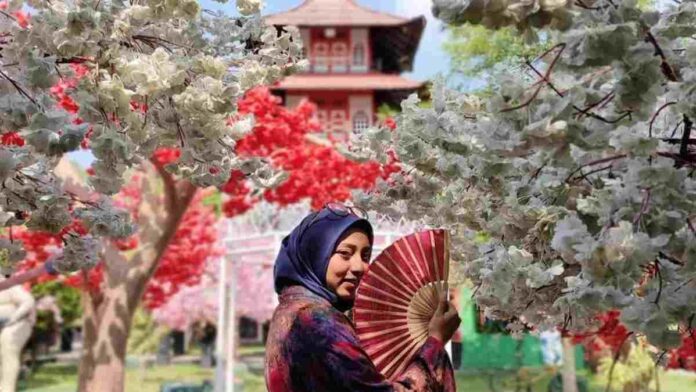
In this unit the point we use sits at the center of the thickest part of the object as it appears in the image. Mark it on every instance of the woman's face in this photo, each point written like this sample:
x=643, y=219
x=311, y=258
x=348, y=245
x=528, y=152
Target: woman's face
x=348, y=264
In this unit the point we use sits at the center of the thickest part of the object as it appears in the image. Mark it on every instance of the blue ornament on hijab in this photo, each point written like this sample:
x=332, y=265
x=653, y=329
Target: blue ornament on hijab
x=304, y=254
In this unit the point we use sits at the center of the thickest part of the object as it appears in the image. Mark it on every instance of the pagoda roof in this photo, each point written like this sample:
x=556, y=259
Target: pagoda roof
x=334, y=13
x=346, y=82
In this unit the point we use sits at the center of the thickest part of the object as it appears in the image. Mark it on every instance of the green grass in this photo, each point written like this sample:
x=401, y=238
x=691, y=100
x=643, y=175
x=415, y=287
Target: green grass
x=62, y=378
x=538, y=381
x=253, y=349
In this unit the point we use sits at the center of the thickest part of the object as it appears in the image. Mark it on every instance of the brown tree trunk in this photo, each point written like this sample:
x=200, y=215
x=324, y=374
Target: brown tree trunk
x=109, y=312
x=105, y=330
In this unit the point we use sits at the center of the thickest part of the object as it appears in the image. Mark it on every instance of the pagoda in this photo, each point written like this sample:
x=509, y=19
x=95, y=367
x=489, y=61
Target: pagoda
x=356, y=57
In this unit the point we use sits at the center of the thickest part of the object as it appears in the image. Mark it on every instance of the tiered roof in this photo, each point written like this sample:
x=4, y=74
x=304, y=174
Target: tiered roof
x=393, y=39
x=346, y=82
x=334, y=13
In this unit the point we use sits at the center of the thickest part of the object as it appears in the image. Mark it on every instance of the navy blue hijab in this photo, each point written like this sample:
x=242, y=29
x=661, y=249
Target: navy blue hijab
x=304, y=254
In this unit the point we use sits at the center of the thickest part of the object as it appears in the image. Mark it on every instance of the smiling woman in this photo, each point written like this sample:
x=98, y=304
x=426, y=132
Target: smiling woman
x=349, y=263
x=312, y=344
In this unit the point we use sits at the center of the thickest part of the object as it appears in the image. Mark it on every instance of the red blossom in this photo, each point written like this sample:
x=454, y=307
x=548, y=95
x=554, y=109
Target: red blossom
x=127, y=243
x=63, y=86
x=80, y=70
x=611, y=335
x=684, y=357
x=85, y=142
x=164, y=156
x=137, y=106
x=390, y=123
x=68, y=104
x=22, y=18
x=12, y=139
x=316, y=172
x=195, y=242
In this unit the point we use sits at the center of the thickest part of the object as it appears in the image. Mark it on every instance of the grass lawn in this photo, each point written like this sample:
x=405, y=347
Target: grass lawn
x=61, y=378
x=538, y=381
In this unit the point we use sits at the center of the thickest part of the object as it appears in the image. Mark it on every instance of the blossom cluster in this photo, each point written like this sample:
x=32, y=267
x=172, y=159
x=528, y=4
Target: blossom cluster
x=124, y=80
x=570, y=191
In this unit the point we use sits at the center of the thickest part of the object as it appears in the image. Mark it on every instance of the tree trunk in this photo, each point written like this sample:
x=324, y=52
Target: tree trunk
x=109, y=312
x=570, y=383
x=105, y=330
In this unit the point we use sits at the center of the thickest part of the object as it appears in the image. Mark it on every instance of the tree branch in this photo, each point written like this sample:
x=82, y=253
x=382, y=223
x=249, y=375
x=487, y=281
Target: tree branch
x=545, y=79
x=20, y=89
x=657, y=113
x=616, y=359
x=595, y=162
x=643, y=207
x=671, y=259
x=685, y=139
x=690, y=159
x=671, y=75
x=601, y=103
x=667, y=69
x=169, y=186
x=659, y=276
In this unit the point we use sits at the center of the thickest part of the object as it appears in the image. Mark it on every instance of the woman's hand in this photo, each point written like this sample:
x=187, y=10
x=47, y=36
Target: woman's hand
x=445, y=321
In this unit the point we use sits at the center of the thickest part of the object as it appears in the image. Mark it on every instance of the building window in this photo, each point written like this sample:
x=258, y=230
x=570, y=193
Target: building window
x=359, y=54
x=339, y=55
x=321, y=57
x=338, y=120
x=360, y=122
x=322, y=117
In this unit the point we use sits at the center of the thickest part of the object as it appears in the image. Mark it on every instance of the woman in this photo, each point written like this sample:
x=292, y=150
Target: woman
x=312, y=345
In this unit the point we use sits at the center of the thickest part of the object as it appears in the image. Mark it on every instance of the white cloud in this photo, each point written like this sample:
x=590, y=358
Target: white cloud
x=431, y=59
x=414, y=8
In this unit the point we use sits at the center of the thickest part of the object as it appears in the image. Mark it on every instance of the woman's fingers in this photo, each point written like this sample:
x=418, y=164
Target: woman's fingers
x=451, y=308
x=442, y=307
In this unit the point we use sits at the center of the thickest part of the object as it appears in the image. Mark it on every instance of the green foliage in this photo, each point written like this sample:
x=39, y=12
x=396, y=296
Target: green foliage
x=385, y=111
x=214, y=199
x=67, y=297
x=631, y=372
x=475, y=50
x=145, y=335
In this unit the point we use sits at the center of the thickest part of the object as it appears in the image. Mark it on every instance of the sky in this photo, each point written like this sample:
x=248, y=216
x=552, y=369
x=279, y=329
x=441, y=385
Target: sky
x=431, y=60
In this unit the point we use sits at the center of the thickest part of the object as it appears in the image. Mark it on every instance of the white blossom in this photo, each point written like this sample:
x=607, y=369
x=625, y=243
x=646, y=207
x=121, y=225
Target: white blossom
x=249, y=7
x=158, y=73
x=560, y=200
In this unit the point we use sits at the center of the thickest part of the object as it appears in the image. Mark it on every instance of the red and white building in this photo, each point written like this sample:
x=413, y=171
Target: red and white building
x=356, y=57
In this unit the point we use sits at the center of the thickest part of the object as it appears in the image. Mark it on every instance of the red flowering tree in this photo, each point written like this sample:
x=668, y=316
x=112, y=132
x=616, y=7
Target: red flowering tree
x=317, y=171
x=175, y=233
x=612, y=338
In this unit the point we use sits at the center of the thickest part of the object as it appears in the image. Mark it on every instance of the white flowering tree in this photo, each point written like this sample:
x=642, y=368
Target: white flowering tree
x=153, y=74
x=571, y=191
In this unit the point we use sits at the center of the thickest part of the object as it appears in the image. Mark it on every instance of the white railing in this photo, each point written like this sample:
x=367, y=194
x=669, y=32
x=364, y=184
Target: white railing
x=255, y=228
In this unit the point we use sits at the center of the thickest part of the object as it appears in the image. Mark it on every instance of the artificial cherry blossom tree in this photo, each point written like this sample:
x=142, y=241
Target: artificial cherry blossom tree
x=571, y=191
x=147, y=75
x=163, y=59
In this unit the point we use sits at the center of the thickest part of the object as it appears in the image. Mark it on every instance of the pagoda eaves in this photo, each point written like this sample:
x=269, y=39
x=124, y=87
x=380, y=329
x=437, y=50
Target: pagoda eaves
x=334, y=13
x=346, y=82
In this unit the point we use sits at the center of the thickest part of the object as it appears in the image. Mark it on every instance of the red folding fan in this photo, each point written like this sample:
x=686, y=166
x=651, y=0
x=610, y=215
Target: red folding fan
x=398, y=296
